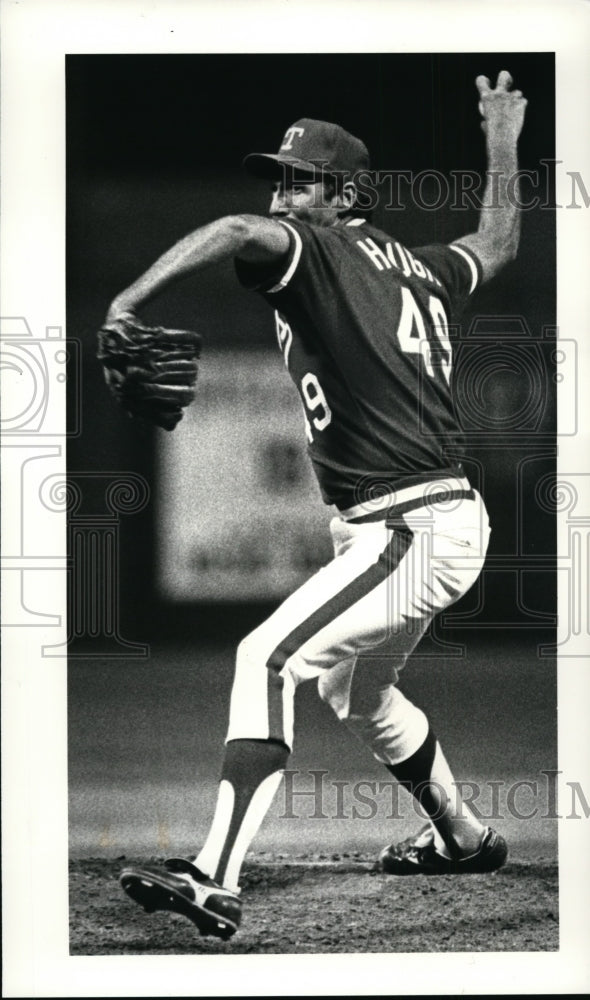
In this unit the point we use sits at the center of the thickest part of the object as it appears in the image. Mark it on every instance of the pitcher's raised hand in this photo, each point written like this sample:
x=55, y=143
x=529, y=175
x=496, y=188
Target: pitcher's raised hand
x=502, y=109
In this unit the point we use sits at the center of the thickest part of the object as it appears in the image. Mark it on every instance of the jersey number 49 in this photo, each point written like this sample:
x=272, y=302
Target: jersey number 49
x=412, y=336
x=315, y=403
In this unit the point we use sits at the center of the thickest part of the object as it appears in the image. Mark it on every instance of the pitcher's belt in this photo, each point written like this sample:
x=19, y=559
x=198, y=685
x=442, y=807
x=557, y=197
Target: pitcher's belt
x=409, y=498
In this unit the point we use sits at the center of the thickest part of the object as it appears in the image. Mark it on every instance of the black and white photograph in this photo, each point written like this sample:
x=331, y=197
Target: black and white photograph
x=318, y=612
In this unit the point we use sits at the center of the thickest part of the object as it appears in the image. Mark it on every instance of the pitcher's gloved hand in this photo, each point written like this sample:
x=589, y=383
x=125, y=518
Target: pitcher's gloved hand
x=151, y=371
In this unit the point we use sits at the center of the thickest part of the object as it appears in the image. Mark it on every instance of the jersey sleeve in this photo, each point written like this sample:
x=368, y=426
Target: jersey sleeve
x=456, y=267
x=275, y=276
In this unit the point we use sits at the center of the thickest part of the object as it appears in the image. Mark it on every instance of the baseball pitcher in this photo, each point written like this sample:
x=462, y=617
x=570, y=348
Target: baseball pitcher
x=362, y=322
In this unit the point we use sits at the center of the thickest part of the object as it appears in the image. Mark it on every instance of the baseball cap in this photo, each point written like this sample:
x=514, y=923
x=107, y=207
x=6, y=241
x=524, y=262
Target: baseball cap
x=310, y=146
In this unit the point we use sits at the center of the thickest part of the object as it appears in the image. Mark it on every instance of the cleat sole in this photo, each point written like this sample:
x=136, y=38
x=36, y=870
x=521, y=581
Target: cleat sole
x=153, y=895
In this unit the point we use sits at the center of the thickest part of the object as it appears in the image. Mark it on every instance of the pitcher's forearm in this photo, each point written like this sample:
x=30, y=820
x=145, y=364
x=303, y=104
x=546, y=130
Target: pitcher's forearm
x=250, y=237
x=208, y=245
x=496, y=241
x=499, y=219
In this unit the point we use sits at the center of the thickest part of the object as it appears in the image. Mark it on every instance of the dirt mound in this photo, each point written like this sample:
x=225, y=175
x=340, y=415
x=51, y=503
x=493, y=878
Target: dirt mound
x=324, y=904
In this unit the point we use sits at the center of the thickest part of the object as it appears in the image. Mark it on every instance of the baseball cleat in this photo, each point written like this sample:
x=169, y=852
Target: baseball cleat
x=183, y=888
x=418, y=856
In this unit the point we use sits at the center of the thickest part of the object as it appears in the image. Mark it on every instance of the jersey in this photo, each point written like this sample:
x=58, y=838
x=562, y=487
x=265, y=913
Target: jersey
x=363, y=325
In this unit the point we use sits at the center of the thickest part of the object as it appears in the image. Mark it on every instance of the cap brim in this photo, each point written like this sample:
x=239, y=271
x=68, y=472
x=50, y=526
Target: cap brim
x=271, y=166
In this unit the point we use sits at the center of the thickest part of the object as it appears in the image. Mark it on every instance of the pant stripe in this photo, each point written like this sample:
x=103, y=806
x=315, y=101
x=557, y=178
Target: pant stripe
x=375, y=575
x=274, y=692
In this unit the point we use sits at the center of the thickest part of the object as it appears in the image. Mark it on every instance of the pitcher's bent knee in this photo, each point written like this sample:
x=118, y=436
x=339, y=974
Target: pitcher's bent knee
x=385, y=721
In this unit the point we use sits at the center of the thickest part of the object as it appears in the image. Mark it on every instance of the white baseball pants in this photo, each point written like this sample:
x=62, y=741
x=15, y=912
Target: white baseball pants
x=368, y=607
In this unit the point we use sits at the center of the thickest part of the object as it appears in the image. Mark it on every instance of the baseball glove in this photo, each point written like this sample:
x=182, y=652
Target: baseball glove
x=150, y=371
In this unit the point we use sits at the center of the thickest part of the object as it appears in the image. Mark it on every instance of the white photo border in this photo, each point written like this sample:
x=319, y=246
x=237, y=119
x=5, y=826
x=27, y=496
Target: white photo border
x=36, y=36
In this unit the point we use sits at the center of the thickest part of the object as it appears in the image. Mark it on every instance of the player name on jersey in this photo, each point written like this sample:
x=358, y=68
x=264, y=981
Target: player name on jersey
x=395, y=255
